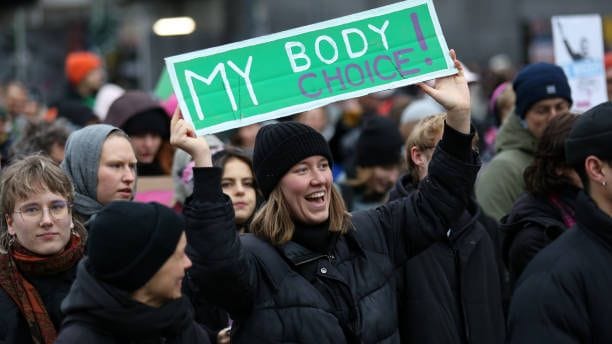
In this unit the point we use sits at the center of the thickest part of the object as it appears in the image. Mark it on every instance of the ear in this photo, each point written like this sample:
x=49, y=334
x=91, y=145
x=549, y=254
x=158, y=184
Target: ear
x=9, y=224
x=71, y=224
x=594, y=168
x=417, y=157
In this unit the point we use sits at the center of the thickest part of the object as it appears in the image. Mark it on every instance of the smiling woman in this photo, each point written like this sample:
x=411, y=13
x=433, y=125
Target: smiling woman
x=329, y=275
x=41, y=244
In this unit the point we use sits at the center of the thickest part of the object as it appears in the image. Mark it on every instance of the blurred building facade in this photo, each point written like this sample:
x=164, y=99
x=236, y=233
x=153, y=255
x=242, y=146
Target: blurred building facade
x=35, y=36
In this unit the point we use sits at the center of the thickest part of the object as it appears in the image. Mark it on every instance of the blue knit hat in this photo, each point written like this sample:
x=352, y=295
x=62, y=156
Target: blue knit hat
x=537, y=82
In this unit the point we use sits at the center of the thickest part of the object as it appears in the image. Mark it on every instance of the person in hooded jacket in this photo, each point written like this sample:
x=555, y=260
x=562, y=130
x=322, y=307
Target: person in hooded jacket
x=562, y=295
x=101, y=163
x=147, y=124
x=547, y=209
x=310, y=272
x=452, y=290
x=134, y=294
x=41, y=243
x=542, y=93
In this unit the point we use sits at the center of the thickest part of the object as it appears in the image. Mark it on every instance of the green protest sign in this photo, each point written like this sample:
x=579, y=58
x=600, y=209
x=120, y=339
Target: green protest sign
x=296, y=70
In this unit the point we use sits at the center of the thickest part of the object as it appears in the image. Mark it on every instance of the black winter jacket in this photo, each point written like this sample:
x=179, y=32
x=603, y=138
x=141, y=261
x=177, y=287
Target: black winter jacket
x=532, y=224
x=52, y=289
x=271, y=302
x=562, y=296
x=452, y=290
x=98, y=313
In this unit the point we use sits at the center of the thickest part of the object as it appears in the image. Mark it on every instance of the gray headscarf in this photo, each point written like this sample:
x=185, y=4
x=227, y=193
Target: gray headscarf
x=81, y=162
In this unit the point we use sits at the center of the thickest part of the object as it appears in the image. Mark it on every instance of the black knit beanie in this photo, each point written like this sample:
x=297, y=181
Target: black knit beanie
x=129, y=242
x=379, y=143
x=537, y=82
x=281, y=145
x=149, y=122
x=590, y=135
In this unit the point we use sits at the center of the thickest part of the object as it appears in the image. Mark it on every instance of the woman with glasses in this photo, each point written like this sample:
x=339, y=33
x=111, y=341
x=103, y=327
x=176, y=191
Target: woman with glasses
x=41, y=244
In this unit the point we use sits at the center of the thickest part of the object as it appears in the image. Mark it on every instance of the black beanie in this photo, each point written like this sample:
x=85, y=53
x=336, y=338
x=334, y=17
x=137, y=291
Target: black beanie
x=537, y=82
x=379, y=143
x=129, y=242
x=590, y=135
x=281, y=145
x=149, y=122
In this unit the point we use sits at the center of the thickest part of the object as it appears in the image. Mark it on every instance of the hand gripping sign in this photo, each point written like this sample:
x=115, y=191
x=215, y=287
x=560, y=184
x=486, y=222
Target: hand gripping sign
x=300, y=69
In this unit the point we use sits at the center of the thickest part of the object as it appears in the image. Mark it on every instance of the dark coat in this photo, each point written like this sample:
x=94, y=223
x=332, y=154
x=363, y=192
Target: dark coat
x=452, y=290
x=563, y=294
x=99, y=313
x=52, y=290
x=532, y=224
x=271, y=302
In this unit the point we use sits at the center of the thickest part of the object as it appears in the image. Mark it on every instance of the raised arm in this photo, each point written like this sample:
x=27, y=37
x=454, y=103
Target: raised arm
x=411, y=224
x=222, y=271
x=453, y=94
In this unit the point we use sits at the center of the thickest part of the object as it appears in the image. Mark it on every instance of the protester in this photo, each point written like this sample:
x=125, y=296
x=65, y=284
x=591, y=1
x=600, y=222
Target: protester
x=42, y=137
x=542, y=93
x=14, y=121
x=85, y=74
x=377, y=165
x=328, y=276
x=561, y=296
x=547, y=209
x=41, y=244
x=501, y=105
x=238, y=182
x=101, y=163
x=452, y=290
x=133, y=294
x=145, y=121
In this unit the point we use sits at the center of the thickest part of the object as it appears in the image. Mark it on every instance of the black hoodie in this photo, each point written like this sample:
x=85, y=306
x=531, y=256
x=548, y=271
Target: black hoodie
x=531, y=225
x=452, y=289
x=99, y=313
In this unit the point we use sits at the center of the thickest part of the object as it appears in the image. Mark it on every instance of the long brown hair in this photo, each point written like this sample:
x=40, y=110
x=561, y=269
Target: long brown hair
x=28, y=176
x=542, y=177
x=273, y=222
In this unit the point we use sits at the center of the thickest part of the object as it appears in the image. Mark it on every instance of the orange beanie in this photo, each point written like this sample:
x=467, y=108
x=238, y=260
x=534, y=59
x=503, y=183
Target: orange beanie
x=79, y=64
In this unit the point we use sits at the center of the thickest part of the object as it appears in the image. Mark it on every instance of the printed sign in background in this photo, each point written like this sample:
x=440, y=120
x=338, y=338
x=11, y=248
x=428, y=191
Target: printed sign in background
x=578, y=44
x=276, y=75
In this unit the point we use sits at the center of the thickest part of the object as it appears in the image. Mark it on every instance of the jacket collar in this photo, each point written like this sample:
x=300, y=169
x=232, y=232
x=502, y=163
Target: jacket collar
x=298, y=254
x=592, y=219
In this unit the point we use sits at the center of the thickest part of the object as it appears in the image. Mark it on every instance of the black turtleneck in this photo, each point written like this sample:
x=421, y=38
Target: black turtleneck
x=316, y=238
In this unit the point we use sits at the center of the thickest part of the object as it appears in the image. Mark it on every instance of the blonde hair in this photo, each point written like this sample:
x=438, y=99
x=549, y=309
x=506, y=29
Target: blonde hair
x=31, y=175
x=424, y=136
x=273, y=221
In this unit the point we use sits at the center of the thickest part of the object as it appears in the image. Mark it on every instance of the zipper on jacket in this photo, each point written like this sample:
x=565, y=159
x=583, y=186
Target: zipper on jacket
x=464, y=320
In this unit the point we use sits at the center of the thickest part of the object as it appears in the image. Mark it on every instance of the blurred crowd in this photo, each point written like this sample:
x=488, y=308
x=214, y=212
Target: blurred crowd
x=504, y=267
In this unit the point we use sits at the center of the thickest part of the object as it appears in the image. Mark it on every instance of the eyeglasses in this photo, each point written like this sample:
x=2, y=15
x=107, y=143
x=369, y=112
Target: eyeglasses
x=34, y=212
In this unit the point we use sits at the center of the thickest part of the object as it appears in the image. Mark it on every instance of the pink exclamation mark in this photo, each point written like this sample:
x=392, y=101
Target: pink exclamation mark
x=419, y=34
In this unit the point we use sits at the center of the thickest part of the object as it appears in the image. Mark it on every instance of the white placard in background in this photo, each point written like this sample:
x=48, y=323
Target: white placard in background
x=579, y=50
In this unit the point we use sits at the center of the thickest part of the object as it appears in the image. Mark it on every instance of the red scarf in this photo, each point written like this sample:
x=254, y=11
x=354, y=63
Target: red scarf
x=24, y=294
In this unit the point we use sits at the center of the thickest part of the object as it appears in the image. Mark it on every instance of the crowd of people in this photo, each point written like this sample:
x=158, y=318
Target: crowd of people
x=402, y=216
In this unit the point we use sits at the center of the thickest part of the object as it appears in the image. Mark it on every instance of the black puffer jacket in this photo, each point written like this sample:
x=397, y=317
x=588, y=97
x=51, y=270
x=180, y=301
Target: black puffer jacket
x=271, y=302
x=98, y=313
x=532, y=224
x=52, y=289
x=562, y=296
x=452, y=290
